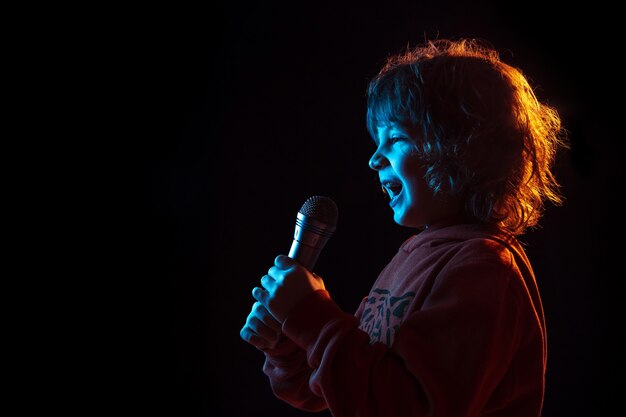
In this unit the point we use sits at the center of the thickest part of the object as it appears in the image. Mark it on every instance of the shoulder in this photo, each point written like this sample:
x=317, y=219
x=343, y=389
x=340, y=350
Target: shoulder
x=481, y=252
x=477, y=242
x=486, y=249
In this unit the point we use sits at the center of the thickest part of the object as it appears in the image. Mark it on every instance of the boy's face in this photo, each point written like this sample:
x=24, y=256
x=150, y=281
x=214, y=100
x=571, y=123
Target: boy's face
x=401, y=175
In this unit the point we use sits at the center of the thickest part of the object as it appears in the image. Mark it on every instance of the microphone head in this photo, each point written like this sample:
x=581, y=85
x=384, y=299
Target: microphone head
x=322, y=209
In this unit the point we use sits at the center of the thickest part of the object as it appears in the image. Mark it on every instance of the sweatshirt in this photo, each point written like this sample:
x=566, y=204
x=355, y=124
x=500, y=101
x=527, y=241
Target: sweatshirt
x=453, y=326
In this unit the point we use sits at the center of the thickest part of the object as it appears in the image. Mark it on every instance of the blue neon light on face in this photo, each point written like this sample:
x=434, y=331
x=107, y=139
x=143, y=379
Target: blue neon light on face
x=401, y=174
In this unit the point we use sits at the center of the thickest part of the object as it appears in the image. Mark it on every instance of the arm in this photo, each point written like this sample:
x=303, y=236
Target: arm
x=289, y=374
x=285, y=362
x=447, y=360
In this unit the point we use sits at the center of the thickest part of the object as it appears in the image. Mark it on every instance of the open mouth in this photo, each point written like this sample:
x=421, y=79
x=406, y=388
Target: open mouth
x=391, y=188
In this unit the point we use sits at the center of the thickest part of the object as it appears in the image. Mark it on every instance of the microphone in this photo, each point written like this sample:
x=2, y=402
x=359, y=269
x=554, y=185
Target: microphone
x=315, y=224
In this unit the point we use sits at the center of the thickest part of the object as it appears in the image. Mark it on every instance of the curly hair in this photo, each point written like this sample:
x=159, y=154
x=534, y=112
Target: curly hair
x=482, y=134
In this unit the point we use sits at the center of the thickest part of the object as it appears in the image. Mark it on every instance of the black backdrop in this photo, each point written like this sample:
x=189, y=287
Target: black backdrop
x=250, y=110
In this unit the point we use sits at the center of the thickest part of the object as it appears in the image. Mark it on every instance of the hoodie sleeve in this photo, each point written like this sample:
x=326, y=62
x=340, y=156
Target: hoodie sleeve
x=289, y=373
x=447, y=359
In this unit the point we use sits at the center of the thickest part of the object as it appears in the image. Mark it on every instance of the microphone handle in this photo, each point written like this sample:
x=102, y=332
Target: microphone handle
x=305, y=255
x=309, y=239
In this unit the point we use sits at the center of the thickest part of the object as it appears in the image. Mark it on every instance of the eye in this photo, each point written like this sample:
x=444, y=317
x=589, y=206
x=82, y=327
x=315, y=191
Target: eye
x=396, y=139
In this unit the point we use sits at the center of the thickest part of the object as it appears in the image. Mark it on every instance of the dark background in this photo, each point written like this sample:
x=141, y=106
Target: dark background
x=247, y=111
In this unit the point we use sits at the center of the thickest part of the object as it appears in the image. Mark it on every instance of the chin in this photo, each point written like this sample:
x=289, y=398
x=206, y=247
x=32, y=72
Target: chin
x=403, y=220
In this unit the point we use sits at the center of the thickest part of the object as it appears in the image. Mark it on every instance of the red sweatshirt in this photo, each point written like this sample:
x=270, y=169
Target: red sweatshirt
x=453, y=326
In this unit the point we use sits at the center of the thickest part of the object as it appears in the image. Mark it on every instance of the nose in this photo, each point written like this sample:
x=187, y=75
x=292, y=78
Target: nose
x=377, y=161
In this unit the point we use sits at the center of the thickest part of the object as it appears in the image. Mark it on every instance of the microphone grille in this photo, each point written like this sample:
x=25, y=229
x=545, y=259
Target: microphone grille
x=321, y=208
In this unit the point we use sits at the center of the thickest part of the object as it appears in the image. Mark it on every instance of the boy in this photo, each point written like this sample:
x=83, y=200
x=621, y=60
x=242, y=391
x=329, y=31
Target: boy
x=454, y=325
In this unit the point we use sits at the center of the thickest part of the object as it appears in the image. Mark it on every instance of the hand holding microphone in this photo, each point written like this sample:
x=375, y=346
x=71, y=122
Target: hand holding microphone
x=291, y=278
x=285, y=285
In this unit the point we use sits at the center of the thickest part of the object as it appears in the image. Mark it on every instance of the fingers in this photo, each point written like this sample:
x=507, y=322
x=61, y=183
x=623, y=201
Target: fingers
x=263, y=315
x=267, y=295
x=254, y=339
x=278, y=272
x=260, y=295
x=284, y=262
x=261, y=310
x=268, y=283
x=262, y=326
x=261, y=329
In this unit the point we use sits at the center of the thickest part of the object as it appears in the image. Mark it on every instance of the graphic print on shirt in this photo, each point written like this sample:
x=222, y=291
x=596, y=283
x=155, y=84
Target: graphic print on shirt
x=383, y=314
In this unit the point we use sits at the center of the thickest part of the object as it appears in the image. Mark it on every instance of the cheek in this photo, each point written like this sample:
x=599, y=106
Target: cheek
x=414, y=176
x=420, y=193
x=421, y=196
x=409, y=149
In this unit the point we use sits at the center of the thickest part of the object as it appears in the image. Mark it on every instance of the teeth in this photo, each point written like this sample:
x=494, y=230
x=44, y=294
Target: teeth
x=391, y=188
